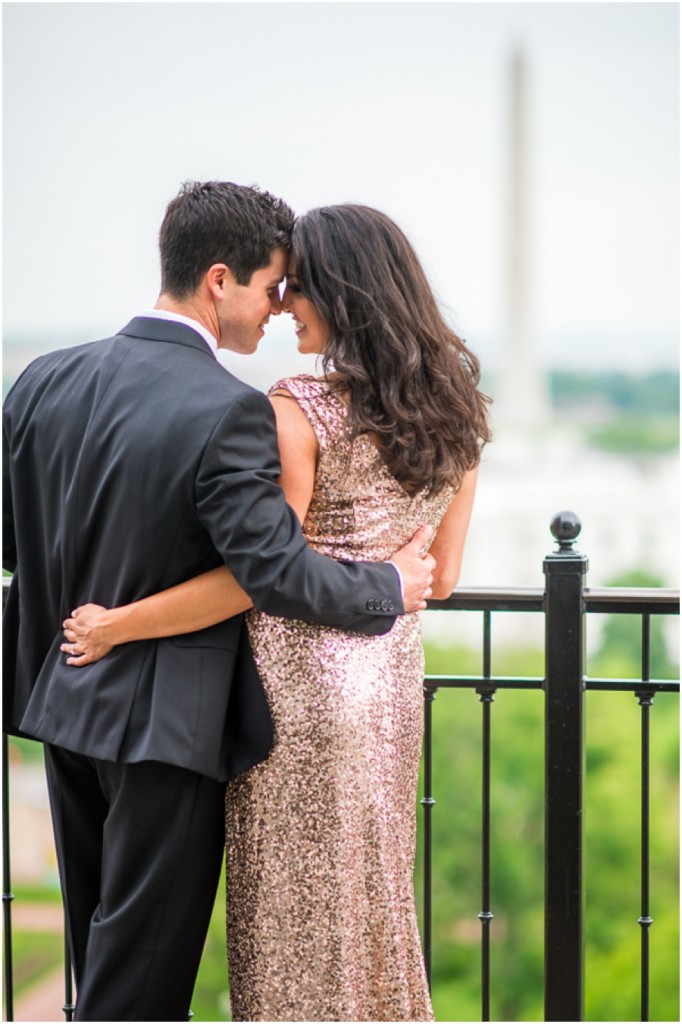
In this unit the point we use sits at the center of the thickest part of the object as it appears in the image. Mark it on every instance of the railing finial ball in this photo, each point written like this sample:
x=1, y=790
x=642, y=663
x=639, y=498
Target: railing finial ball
x=565, y=527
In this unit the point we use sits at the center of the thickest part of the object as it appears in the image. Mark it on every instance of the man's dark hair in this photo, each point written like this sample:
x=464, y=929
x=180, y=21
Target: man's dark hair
x=219, y=222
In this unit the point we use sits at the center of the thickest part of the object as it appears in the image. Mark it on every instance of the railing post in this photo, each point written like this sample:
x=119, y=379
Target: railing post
x=7, y=895
x=565, y=572
x=428, y=804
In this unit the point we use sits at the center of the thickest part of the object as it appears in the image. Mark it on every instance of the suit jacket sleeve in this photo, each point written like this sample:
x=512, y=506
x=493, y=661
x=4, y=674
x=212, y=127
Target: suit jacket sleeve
x=9, y=544
x=244, y=510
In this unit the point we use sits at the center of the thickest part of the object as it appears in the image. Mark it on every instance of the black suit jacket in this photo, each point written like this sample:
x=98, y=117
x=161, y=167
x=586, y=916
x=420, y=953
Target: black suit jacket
x=132, y=464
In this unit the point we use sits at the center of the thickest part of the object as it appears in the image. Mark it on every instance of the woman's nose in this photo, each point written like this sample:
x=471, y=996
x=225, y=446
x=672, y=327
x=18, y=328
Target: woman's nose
x=275, y=303
x=286, y=302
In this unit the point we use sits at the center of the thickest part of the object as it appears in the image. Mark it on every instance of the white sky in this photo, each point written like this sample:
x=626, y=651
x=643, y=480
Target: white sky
x=109, y=107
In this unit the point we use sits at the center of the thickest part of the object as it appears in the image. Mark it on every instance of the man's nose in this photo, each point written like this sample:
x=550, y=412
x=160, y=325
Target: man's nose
x=275, y=304
x=285, y=303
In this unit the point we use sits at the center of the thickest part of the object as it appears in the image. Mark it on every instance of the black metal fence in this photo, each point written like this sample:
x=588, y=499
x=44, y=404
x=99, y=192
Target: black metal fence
x=564, y=602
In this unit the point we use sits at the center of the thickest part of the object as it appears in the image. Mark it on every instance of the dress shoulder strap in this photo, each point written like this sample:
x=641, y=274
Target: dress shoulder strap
x=321, y=403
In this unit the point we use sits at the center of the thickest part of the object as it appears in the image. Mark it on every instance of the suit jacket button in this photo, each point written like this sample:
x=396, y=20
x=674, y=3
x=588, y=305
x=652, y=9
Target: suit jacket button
x=384, y=606
x=390, y=606
x=370, y=605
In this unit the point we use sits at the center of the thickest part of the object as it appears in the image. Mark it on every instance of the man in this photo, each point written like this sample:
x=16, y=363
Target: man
x=132, y=464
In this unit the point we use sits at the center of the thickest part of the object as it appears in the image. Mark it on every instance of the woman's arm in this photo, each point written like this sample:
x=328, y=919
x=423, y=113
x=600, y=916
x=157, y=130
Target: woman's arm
x=448, y=544
x=195, y=604
x=207, y=599
x=298, y=451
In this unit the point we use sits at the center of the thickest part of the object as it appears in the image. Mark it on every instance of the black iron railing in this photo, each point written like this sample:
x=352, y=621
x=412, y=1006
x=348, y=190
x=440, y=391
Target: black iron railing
x=564, y=603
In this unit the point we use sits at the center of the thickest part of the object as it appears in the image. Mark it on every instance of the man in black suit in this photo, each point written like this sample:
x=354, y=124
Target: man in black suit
x=132, y=464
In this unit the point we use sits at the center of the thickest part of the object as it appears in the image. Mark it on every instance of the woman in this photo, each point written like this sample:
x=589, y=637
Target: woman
x=321, y=836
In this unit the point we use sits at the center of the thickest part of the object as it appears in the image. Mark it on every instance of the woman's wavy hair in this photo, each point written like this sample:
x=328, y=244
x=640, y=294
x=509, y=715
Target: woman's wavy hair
x=413, y=383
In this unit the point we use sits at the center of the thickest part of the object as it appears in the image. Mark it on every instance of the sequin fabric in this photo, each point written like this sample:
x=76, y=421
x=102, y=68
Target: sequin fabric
x=321, y=835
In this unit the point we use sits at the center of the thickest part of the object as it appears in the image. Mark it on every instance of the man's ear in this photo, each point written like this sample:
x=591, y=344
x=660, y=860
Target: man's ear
x=219, y=278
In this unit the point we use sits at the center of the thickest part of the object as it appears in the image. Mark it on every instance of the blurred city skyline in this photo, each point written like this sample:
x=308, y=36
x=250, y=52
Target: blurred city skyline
x=109, y=107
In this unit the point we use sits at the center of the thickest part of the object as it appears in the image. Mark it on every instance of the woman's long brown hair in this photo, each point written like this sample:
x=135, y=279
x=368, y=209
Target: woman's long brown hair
x=413, y=383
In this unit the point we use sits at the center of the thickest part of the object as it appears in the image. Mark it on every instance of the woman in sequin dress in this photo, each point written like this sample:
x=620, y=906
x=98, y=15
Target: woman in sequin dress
x=321, y=835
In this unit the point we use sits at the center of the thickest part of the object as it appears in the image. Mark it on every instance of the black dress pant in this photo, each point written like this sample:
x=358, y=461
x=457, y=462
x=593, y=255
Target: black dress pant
x=139, y=848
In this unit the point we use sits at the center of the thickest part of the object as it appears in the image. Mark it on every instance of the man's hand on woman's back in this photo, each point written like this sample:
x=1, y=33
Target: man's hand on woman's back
x=416, y=567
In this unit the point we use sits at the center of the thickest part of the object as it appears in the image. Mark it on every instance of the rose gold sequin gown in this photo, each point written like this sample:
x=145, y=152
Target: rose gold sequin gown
x=321, y=835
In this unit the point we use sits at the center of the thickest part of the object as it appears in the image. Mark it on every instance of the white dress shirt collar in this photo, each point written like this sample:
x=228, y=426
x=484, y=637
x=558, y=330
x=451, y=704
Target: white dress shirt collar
x=164, y=314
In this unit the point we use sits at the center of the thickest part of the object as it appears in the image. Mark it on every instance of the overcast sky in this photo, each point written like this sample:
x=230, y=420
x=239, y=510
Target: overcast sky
x=109, y=107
